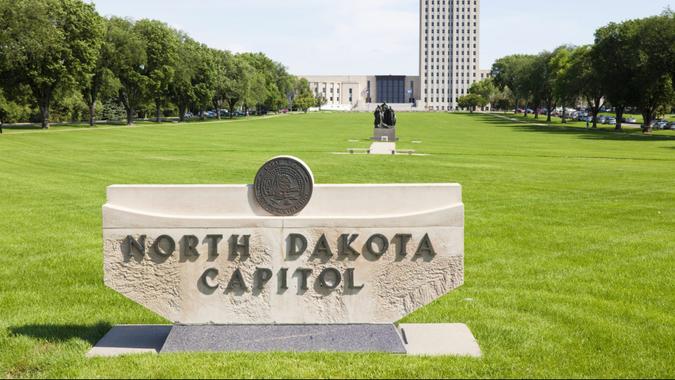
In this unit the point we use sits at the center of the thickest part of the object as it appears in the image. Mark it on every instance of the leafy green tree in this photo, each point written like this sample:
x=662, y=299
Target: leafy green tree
x=486, y=89
x=48, y=45
x=220, y=81
x=320, y=101
x=616, y=62
x=563, y=84
x=537, y=82
x=203, y=81
x=127, y=61
x=100, y=81
x=512, y=72
x=654, y=44
x=161, y=46
x=585, y=78
x=471, y=102
x=181, y=90
x=238, y=75
x=303, y=98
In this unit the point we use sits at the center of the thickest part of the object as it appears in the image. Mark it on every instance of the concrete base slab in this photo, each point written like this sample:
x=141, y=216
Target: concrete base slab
x=285, y=338
x=129, y=340
x=454, y=339
x=383, y=148
x=410, y=339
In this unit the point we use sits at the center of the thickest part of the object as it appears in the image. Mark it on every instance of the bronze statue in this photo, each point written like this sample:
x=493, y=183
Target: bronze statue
x=385, y=117
x=378, y=117
x=389, y=119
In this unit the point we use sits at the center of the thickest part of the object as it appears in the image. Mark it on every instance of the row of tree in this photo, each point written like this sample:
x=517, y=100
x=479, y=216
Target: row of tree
x=55, y=50
x=631, y=65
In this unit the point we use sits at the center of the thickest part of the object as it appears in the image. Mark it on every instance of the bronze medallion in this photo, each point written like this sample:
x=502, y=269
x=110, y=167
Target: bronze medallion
x=283, y=186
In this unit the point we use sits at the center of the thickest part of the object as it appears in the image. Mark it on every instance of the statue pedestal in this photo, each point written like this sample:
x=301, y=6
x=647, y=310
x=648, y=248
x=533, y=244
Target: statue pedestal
x=384, y=135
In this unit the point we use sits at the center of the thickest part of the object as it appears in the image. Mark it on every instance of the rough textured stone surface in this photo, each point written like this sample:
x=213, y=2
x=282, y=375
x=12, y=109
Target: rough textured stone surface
x=394, y=285
x=285, y=338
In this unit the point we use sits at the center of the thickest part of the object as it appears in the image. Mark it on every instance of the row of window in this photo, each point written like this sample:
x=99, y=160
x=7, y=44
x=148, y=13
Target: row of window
x=443, y=2
x=442, y=68
x=434, y=17
x=442, y=59
x=426, y=23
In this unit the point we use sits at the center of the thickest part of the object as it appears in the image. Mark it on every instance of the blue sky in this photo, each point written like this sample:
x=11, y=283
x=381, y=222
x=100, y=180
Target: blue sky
x=374, y=36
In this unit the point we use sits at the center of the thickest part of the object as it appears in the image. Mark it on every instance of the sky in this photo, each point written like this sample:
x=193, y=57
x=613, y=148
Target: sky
x=359, y=37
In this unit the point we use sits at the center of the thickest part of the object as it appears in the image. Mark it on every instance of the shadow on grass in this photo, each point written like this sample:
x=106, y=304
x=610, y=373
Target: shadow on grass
x=527, y=125
x=63, y=333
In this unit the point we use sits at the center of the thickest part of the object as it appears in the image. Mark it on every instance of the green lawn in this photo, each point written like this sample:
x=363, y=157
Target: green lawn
x=570, y=242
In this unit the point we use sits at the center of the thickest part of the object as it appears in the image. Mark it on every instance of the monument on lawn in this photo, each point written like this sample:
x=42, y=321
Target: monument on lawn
x=385, y=124
x=233, y=263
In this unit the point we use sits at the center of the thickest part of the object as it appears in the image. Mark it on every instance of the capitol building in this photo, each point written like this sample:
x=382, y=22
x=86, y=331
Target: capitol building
x=449, y=63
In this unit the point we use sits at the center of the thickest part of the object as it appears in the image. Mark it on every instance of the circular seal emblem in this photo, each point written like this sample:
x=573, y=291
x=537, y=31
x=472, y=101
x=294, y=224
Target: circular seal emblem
x=283, y=186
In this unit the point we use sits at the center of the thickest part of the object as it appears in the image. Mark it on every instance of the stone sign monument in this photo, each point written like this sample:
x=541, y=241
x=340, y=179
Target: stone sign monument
x=283, y=251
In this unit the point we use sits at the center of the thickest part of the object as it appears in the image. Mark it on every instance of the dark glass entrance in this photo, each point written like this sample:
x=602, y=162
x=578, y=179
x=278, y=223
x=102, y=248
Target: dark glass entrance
x=391, y=89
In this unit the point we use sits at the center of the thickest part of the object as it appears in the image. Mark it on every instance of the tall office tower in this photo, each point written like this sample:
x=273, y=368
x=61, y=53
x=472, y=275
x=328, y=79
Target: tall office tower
x=449, y=51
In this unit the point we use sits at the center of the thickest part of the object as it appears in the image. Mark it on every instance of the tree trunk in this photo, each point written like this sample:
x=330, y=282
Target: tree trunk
x=181, y=112
x=92, y=113
x=217, y=105
x=130, y=116
x=158, y=109
x=648, y=118
x=619, y=117
x=44, y=112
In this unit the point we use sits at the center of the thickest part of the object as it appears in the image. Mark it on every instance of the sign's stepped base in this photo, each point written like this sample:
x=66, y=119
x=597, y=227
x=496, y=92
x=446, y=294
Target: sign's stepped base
x=410, y=339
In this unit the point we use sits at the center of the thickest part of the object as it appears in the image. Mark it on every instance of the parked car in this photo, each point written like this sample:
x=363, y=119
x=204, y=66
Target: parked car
x=611, y=121
x=630, y=120
x=670, y=126
x=659, y=124
x=224, y=113
x=602, y=119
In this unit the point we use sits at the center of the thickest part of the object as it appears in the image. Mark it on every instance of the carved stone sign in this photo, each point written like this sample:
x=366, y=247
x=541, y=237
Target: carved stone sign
x=284, y=250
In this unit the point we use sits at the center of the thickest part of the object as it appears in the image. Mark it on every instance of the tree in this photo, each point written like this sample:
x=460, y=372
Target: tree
x=486, y=89
x=615, y=61
x=220, y=80
x=654, y=44
x=48, y=45
x=100, y=80
x=127, y=62
x=237, y=82
x=181, y=90
x=586, y=77
x=537, y=82
x=320, y=101
x=303, y=98
x=203, y=80
x=511, y=72
x=161, y=46
x=563, y=84
x=471, y=101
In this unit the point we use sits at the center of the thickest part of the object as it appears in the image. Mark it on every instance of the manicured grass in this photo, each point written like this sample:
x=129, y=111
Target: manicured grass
x=570, y=242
